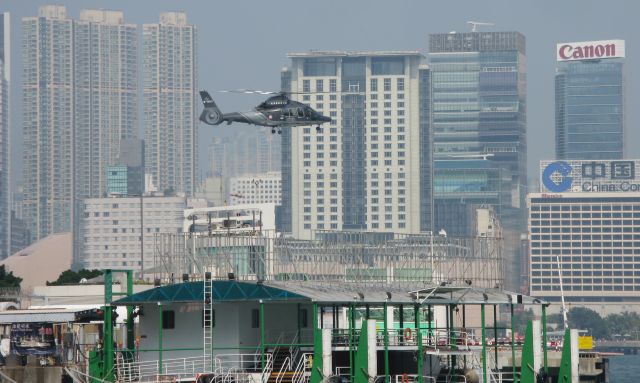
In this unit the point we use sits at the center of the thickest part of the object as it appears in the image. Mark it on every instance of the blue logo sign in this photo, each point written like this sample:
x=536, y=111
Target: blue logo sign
x=564, y=169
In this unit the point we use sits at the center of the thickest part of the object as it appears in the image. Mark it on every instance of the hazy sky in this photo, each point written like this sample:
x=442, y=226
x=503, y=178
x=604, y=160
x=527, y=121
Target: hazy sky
x=243, y=44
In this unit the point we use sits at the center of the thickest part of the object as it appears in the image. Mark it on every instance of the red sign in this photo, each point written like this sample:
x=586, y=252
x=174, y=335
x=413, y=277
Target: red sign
x=590, y=50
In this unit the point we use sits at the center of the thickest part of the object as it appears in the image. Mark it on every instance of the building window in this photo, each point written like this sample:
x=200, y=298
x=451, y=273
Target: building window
x=319, y=86
x=333, y=87
x=387, y=85
x=400, y=85
x=374, y=84
x=306, y=85
x=255, y=318
x=168, y=319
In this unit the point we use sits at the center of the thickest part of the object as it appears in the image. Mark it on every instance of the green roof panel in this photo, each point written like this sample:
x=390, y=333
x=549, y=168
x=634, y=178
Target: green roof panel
x=223, y=291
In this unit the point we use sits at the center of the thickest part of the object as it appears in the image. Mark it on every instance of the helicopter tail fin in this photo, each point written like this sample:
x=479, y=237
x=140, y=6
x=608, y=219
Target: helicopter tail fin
x=211, y=115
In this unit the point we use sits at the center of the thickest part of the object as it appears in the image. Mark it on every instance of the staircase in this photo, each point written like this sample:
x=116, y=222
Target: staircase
x=282, y=371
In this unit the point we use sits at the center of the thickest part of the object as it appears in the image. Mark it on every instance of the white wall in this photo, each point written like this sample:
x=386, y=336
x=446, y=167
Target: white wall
x=233, y=327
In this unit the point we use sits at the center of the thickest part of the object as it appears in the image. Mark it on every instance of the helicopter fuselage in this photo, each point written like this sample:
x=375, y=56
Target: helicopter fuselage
x=277, y=111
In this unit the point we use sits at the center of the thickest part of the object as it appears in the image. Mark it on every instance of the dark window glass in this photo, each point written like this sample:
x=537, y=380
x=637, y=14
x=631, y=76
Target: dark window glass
x=168, y=319
x=387, y=66
x=255, y=318
x=320, y=66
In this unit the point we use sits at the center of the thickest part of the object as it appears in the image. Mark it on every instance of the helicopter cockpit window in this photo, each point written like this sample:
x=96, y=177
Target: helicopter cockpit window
x=300, y=112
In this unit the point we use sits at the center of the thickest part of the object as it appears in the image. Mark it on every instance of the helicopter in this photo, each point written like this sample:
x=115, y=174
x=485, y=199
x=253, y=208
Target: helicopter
x=276, y=112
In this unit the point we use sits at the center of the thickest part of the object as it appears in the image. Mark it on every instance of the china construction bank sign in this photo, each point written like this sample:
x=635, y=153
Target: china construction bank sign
x=590, y=176
x=590, y=50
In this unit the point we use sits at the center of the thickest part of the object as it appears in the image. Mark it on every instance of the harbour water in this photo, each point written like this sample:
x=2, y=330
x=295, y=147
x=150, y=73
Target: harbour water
x=624, y=369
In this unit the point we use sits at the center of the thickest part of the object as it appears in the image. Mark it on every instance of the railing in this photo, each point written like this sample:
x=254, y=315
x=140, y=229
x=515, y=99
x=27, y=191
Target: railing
x=144, y=371
x=413, y=378
x=242, y=362
x=503, y=377
x=300, y=373
x=453, y=378
x=343, y=371
x=340, y=337
x=268, y=367
x=225, y=366
x=294, y=349
x=286, y=366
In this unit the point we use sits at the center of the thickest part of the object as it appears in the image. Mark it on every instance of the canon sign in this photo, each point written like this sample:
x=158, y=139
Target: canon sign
x=590, y=50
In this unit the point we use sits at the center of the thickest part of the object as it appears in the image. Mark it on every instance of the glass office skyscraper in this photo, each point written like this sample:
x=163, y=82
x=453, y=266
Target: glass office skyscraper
x=479, y=113
x=479, y=101
x=590, y=110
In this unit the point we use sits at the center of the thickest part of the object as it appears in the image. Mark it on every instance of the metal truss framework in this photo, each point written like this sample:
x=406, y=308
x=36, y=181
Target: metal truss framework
x=333, y=259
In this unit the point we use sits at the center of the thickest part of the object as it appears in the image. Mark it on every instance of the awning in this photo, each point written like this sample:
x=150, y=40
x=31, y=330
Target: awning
x=327, y=294
x=49, y=315
x=223, y=291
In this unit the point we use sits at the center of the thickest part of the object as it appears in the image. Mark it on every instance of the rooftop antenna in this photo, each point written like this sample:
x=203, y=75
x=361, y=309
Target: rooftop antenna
x=474, y=25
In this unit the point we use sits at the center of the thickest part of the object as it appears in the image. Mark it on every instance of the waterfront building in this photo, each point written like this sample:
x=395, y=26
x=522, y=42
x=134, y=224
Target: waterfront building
x=370, y=167
x=169, y=91
x=5, y=137
x=48, y=82
x=584, y=228
x=259, y=188
x=589, y=91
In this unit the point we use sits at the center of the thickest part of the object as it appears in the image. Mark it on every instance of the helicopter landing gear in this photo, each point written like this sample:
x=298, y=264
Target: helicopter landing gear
x=279, y=131
x=273, y=131
x=318, y=129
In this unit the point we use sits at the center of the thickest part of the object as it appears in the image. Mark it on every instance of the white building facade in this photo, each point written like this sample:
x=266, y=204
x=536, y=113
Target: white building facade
x=169, y=88
x=260, y=188
x=110, y=230
x=370, y=168
x=584, y=227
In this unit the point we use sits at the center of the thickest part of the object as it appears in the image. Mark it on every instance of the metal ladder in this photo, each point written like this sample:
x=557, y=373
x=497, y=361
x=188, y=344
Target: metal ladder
x=207, y=329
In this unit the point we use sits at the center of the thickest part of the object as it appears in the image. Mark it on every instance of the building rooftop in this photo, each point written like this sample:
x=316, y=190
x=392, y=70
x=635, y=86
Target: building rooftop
x=43, y=261
x=338, y=293
x=352, y=53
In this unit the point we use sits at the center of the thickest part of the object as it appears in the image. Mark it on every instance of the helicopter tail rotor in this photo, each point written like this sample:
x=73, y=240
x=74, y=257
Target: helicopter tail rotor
x=211, y=115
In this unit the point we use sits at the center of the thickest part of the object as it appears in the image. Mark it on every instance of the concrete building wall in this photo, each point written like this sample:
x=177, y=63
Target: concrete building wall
x=110, y=230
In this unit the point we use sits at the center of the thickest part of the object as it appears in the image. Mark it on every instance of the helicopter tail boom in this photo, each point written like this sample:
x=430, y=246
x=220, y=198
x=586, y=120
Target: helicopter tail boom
x=211, y=115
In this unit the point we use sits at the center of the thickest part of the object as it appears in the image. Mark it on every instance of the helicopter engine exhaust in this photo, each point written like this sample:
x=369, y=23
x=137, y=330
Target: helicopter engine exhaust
x=211, y=115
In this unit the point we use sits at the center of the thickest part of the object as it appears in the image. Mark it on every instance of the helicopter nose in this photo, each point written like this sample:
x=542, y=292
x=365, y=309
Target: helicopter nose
x=325, y=119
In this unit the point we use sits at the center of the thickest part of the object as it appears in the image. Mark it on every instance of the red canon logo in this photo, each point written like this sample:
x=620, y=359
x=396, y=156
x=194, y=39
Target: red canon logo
x=568, y=52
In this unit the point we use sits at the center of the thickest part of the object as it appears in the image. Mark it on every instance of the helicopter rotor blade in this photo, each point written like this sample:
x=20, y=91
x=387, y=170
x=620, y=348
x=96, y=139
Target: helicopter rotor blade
x=270, y=92
x=249, y=91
